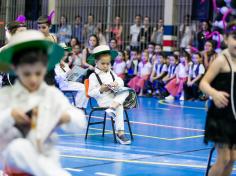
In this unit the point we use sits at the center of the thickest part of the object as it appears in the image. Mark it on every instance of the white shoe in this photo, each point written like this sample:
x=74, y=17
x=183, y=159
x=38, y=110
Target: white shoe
x=181, y=98
x=170, y=97
x=123, y=140
x=111, y=112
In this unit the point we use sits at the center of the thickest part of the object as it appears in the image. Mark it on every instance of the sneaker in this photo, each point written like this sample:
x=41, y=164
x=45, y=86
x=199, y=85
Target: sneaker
x=149, y=91
x=111, y=112
x=170, y=97
x=181, y=98
x=123, y=140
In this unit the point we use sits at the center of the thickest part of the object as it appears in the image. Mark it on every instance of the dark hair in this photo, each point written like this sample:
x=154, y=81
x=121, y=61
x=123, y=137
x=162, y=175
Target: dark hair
x=13, y=26
x=134, y=49
x=147, y=17
x=159, y=45
x=138, y=15
x=197, y=53
x=98, y=57
x=63, y=17
x=163, y=54
x=176, y=57
x=43, y=20
x=77, y=41
x=123, y=54
x=95, y=36
x=90, y=14
x=186, y=54
x=212, y=42
x=113, y=39
x=78, y=16
x=30, y=56
x=152, y=43
x=231, y=28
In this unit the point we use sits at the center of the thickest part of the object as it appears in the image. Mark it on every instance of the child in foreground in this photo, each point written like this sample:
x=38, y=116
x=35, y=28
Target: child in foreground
x=219, y=83
x=32, y=110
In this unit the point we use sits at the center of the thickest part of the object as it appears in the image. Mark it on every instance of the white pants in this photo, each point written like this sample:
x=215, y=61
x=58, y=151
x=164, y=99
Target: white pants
x=81, y=100
x=120, y=98
x=21, y=154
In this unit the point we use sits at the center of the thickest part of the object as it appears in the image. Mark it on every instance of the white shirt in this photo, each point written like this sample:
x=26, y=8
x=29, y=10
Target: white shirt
x=193, y=68
x=94, y=85
x=144, y=69
x=51, y=105
x=160, y=68
x=119, y=68
x=182, y=71
x=134, y=31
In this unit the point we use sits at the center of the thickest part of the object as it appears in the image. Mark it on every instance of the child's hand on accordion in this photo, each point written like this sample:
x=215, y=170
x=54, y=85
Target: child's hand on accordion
x=114, y=84
x=104, y=88
x=20, y=116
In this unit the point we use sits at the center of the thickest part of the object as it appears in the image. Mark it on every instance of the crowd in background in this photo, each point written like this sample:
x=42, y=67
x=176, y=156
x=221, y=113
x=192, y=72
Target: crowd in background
x=142, y=63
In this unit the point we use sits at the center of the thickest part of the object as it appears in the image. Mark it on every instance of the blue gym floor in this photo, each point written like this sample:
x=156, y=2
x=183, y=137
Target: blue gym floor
x=168, y=141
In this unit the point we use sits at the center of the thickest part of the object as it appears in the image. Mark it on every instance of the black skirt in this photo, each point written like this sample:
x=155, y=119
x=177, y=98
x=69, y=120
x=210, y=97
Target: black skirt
x=220, y=124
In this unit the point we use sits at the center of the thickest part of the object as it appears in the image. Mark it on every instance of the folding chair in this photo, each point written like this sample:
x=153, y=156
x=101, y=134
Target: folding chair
x=96, y=109
x=209, y=160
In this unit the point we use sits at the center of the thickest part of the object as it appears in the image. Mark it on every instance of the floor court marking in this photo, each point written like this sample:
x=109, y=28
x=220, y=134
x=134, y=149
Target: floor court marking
x=158, y=125
x=180, y=106
x=137, y=162
x=139, y=135
x=104, y=174
x=153, y=109
x=134, y=161
x=73, y=169
x=154, y=153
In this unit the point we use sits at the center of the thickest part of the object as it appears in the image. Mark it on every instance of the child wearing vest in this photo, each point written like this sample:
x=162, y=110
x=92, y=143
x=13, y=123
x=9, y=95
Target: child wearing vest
x=175, y=86
x=144, y=71
x=171, y=73
x=101, y=83
x=132, y=66
x=196, y=71
x=158, y=72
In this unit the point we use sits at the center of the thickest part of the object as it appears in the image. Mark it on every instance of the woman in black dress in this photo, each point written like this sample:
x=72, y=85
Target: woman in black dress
x=219, y=83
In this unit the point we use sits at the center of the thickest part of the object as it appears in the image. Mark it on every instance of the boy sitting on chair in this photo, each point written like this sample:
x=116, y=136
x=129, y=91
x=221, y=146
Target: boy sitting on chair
x=103, y=84
x=31, y=110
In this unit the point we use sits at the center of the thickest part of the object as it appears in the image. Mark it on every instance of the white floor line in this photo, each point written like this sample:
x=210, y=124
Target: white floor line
x=104, y=174
x=72, y=169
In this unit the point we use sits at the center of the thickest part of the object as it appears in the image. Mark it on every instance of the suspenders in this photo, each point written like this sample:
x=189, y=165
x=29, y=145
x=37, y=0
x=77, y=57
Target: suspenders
x=99, y=79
